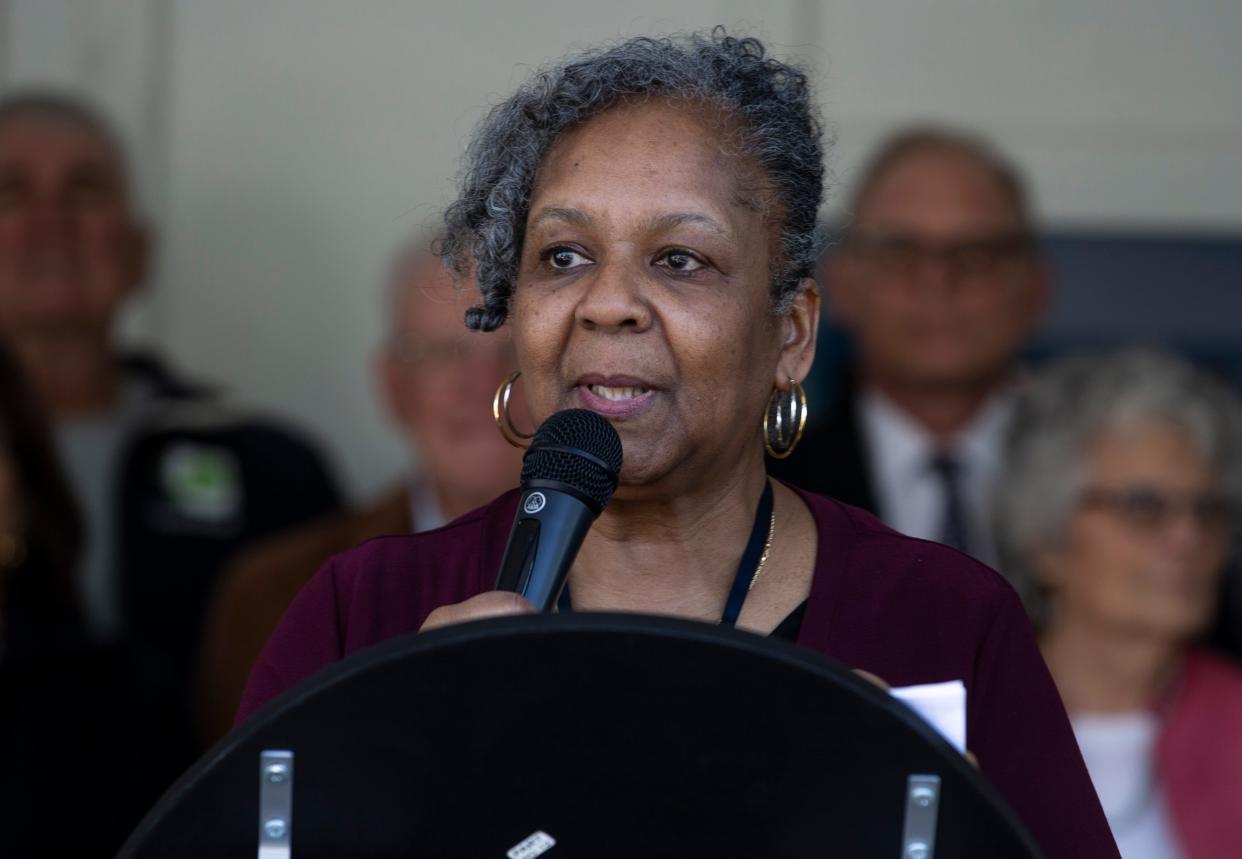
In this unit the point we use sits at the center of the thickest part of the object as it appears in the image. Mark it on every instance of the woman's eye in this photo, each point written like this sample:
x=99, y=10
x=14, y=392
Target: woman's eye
x=565, y=258
x=681, y=261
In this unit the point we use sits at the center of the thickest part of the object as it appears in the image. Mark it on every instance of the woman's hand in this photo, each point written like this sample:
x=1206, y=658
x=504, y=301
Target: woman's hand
x=490, y=604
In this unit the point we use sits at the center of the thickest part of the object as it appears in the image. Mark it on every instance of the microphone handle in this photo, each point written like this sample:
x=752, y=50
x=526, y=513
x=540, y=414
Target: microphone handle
x=547, y=533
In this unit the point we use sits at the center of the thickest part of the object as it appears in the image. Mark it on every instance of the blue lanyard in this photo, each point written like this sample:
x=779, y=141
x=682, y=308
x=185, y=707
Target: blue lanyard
x=746, y=568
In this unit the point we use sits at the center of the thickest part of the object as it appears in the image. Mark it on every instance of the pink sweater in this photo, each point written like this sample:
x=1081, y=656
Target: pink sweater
x=1199, y=758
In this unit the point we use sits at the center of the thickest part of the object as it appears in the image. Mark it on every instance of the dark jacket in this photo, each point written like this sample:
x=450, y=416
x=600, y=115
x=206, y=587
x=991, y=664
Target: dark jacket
x=198, y=481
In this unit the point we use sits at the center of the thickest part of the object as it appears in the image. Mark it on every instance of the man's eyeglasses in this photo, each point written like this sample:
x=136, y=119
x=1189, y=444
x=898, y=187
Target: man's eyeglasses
x=1148, y=508
x=906, y=254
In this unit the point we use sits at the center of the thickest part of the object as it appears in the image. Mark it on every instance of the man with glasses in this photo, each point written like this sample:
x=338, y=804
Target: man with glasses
x=436, y=379
x=939, y=280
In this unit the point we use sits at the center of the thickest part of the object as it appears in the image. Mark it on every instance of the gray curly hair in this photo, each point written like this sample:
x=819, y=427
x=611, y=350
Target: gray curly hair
x=1065, y=409
x=779, y=130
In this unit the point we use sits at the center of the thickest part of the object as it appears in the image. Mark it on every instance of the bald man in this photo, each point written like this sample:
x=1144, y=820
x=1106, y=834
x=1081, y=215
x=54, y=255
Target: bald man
x=436, y=379
x=939, y=281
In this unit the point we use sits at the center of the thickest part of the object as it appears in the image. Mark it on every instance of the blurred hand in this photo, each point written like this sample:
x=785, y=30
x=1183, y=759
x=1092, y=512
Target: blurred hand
x=490, y=604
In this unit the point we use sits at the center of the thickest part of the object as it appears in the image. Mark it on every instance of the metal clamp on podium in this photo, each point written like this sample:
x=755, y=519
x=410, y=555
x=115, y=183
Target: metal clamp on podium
x=584, y=735
x=275, y=804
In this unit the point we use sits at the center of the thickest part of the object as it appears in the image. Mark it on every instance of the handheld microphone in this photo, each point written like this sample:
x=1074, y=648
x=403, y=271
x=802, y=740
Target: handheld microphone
x=568, y=475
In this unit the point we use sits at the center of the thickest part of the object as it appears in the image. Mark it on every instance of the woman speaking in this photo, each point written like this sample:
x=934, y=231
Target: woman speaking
x=643, y=220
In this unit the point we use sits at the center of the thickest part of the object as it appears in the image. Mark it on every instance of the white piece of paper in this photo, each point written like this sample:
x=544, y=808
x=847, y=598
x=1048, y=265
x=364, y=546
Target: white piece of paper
x=942, y=705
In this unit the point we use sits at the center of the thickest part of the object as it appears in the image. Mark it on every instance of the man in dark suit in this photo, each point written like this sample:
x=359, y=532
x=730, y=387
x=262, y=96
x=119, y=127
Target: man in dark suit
x=939, y=282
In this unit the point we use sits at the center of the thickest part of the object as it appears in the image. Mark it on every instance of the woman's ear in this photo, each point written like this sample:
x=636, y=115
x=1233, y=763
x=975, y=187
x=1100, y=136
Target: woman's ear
x=799, y=328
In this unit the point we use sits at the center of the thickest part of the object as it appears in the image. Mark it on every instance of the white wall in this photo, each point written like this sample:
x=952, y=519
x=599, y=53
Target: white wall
x=1121, y=110
x=289, y=145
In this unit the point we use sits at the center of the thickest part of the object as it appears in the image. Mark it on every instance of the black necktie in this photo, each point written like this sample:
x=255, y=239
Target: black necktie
x=953, y=531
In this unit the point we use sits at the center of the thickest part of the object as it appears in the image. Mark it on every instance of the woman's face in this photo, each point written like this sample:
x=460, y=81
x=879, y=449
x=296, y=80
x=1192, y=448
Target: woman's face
x=1147, y=543
x=644, y=293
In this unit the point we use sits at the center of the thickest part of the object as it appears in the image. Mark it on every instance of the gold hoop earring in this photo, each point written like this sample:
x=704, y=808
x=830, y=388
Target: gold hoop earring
x=784, y=419
x=500, y=411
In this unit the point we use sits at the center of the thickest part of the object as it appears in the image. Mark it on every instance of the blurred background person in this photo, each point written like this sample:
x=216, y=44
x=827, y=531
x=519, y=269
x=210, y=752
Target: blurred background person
x=1114, y=520
x=436, y=378
x=939, y=282
x=68, y=721
x=169, y=480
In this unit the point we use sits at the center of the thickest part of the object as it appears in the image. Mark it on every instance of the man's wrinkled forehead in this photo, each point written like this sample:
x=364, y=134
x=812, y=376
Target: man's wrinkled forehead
x=947, y=173
x=61, y=143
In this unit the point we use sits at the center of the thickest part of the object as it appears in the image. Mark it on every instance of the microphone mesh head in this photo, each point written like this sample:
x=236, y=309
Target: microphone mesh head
x=584, y=432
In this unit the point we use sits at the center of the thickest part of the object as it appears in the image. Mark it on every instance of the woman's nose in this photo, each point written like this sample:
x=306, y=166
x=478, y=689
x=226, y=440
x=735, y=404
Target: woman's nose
x=613, y=298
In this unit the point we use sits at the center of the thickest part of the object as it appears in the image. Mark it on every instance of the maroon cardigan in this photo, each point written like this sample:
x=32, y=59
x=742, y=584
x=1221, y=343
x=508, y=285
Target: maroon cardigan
x=907, y=610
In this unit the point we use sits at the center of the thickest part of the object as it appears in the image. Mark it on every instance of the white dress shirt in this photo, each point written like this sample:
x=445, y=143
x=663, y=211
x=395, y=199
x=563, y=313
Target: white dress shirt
x=909, y=494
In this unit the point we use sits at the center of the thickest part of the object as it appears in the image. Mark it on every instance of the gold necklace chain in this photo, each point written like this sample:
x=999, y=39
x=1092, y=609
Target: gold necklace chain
x=767, y=546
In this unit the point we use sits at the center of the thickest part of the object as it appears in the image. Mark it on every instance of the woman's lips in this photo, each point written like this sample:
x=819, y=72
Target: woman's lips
x=616, y=400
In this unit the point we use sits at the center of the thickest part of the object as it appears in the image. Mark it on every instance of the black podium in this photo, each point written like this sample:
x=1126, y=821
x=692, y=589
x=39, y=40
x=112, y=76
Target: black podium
x=583, y=735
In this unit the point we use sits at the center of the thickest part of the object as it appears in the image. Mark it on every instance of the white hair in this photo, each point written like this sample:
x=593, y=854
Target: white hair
x=1065, y=409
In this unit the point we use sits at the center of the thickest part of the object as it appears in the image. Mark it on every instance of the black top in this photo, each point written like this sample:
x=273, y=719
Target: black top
x=789, y=628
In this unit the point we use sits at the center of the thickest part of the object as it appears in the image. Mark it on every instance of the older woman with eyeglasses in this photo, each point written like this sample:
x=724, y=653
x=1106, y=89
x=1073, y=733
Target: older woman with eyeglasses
x=1115, y=521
